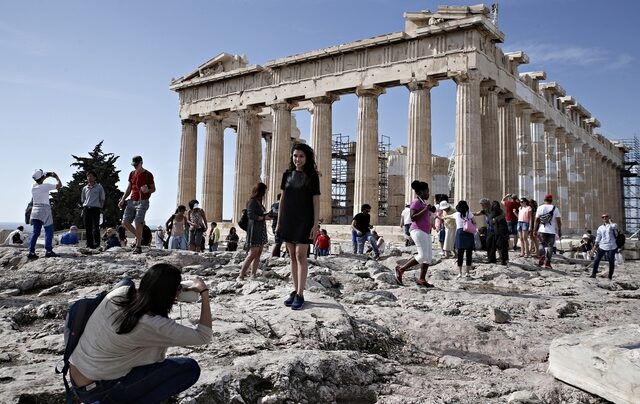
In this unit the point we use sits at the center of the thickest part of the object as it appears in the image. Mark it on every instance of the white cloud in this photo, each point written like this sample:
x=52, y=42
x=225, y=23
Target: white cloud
x=572, y=56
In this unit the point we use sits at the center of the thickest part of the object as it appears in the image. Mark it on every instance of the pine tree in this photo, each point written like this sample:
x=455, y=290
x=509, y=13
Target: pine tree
x=66, y=202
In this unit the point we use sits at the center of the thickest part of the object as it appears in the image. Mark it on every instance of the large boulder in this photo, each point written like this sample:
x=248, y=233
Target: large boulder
x=604, y=361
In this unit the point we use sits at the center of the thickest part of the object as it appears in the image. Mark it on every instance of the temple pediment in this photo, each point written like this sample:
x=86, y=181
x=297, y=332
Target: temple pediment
x=222, y=63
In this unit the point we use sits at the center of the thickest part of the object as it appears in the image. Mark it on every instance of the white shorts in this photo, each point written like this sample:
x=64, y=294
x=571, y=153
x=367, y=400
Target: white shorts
x=423, y=242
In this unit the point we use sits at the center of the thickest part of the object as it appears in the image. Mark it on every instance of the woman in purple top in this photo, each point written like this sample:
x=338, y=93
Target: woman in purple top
x=420, y=232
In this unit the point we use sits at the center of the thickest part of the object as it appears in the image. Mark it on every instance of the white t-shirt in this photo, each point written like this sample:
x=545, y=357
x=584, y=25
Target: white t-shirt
x=406, y=216
x=460, y=219
x=550, y=227
x=40, y=193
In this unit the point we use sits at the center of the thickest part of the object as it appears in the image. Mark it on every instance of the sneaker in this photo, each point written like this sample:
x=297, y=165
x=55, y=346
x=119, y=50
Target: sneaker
x=398, y=275
x=137, y=250
x=376, y=257
x=298, y=302
x=541, y=261
x=290, y=299
x=32, y=256
x=424, y=283
x=51, y=254
x=592, y=276
x=548, y=265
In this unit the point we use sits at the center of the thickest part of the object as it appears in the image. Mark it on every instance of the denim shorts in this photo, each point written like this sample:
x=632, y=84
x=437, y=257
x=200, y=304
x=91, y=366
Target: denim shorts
x=135, y=211
x=523, y=226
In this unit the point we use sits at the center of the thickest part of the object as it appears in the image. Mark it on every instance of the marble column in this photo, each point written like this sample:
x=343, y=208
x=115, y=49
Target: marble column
x=188, y=158
x=213, y=176
x=551, y=161
x=538, y=156
x=523, y=146
x=560, y=199
x=507, y=145
x=268, y=138
x=580, y=186
x=602, y=179
x=419, y=136
x=366, y=187
x=468, y=154
x=588, y=186
x=490, y=141
x=594, y=182
x=247, y=162
x=280, y=148
x=572, y=190
x=321, y=142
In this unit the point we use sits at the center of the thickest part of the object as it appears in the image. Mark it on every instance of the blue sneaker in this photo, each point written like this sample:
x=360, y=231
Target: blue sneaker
x=298, y=302
x=290, y=299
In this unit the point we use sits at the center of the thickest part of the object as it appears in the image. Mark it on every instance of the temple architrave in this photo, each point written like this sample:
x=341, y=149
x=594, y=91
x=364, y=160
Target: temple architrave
x=515, y=133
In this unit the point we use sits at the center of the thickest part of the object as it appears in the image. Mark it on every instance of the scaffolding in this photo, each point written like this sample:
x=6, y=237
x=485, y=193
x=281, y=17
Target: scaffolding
x=342, y=177
x=631, y=184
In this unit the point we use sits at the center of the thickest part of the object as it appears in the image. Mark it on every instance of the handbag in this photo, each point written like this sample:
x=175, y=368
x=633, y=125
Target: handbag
x=469, y=226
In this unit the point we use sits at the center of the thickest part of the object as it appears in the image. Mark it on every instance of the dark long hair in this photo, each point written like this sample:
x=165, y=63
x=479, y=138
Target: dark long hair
x=155, y=297
x=310, y=167
x=258, y=191
x=462, y=207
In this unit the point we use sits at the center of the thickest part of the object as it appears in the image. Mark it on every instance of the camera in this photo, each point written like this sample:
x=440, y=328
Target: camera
x=187, y=296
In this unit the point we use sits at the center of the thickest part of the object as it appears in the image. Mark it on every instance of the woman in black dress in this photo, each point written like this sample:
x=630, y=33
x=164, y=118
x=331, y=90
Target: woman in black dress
x=299, y=215
x=256, y=231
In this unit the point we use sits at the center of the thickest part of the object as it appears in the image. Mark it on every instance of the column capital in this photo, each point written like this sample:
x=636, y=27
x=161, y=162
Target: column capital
x=462, y=76
x=373, y=91
x=415, y=85
x=283, y=106
x=489, y=86
x=523, y=107
x=549, y=125
x=214, y=116
x=189, y=121
x=325, y=99
x=537, y=117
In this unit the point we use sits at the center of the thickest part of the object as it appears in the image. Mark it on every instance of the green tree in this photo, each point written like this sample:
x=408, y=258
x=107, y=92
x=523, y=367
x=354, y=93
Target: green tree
x=66, y=202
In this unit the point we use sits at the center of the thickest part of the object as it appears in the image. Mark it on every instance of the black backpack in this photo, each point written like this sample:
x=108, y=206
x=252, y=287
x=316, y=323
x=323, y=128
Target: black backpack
x=620, y=239
x=547, y=217
x=27, y=212
x=243, y=223
x=74, y=324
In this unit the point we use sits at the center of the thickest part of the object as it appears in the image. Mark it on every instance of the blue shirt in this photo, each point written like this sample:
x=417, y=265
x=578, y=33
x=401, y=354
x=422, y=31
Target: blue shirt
x=606, y=237
x=69, y=239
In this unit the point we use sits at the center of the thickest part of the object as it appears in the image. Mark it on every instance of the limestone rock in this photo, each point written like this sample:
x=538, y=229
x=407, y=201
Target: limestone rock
x=604, y=361
x=500, y=316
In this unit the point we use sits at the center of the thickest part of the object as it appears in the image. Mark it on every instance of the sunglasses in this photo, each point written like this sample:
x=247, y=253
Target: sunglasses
x=605, y=217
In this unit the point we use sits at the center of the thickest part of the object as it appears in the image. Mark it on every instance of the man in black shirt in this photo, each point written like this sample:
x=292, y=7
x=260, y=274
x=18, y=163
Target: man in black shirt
x=362, y=225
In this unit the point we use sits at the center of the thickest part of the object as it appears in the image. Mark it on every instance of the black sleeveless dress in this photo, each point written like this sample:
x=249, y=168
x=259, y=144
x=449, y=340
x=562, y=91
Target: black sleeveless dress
x=296, y=219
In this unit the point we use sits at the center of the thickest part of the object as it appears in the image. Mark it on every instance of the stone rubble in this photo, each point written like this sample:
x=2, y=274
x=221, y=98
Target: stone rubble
x=360, y=337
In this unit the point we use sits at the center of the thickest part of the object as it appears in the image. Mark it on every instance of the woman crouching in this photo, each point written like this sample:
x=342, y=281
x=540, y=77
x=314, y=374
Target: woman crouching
x=121, y=354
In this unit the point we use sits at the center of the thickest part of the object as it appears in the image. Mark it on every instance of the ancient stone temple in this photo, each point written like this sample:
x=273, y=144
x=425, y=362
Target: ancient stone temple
x=514, y=132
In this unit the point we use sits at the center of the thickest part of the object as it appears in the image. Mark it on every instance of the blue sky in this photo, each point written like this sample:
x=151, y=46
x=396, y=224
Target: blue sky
x=73, y=73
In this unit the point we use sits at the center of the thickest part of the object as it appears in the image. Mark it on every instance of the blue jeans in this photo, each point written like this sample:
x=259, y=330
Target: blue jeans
x=152, y=383
x=611, y=256
x=367, y=237
x=354, y=241
x=48, y=236
x=547, y=242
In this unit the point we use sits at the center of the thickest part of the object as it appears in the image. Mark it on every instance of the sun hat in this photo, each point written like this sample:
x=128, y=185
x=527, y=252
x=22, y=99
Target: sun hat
x=74, y=227
x=38, y=174
x=585, y=235
x=444, y=205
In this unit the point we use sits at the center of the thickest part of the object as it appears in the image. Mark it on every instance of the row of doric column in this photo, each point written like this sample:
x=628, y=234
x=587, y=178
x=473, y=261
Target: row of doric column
x=502, y=145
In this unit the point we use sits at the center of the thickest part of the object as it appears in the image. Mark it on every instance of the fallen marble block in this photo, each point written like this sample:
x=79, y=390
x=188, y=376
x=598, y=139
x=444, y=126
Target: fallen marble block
x=604, y=361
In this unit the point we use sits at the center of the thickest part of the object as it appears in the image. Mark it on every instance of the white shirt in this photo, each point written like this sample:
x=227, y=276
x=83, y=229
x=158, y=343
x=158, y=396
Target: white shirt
x=549, y=228
x=460, y=219
x=40, y=193
x=9, y=239
x=606, y=238
x=406, y=216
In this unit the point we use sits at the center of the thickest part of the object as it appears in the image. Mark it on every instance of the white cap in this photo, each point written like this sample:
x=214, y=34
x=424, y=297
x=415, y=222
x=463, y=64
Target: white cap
x=37, y=174
x=444, y=205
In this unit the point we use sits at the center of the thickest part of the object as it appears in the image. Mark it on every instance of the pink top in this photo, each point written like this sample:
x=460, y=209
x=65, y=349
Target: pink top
x=524, y=214
x=423, y=222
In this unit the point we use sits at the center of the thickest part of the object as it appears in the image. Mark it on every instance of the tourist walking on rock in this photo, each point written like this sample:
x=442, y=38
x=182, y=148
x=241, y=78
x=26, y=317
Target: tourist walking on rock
x=534, y=242
x=41, y=215
x=176, y=226
x=159, y=237
x=197, y=221
x=214, y=237
x=361, y=223
x=449, y=228
x=524, y=218
x=485, y=228
x=498, y=236
x=605, y=245
x=232, y=239
x=405, y=223
x=277, y=245
x=256, y=231
x=548, y=224
x=121, y=356
x=511, y=208
x=299, y=216
x=92, y=199
x=465, y=242
x=322, y=244
x=420, y=234
x=141, y=186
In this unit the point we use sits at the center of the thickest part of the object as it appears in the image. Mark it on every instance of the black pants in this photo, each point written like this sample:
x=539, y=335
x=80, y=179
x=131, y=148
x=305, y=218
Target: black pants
x=495, y=242
x=461, y=252
x=92, y=226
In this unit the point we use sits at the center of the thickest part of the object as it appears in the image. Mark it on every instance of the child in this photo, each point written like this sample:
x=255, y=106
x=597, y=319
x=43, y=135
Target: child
x=323, y=244
x=111, y=239
x=232, y=240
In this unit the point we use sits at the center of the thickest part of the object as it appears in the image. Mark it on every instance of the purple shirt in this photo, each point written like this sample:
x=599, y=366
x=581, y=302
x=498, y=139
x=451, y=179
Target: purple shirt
x=423, y=222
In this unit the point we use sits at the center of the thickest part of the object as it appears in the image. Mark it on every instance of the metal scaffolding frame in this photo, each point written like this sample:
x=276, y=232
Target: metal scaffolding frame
x=384, y=146
x=631, y=184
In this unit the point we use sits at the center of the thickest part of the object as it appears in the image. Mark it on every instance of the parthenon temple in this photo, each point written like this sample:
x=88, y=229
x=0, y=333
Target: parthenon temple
x=514, y=131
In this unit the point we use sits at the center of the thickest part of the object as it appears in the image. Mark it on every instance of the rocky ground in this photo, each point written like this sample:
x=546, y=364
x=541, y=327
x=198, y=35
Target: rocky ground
x=360, y=338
